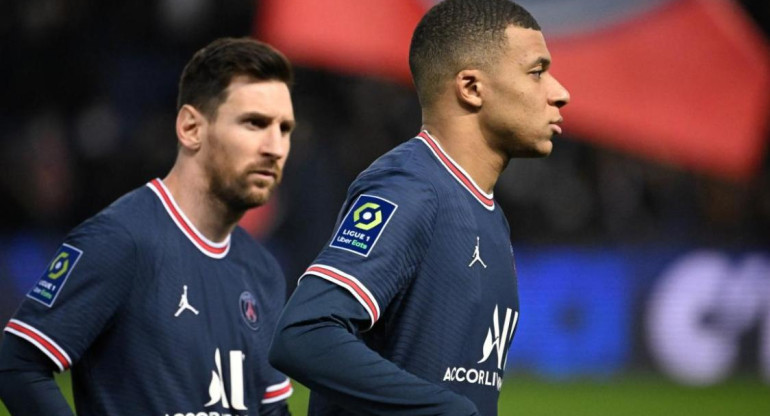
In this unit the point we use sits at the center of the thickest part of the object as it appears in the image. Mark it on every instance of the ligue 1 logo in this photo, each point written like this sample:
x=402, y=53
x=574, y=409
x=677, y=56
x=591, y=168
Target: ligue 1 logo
x=248, y=306
x=55, y=276
x=363, y=224
x=367, y=216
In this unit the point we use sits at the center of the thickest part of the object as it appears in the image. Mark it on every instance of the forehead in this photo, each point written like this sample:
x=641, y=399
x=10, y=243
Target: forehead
x=525, y=46
x=246, y=94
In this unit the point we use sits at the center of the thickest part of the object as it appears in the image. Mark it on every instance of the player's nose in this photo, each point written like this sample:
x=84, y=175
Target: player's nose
x=275, y=142
x=559, y=95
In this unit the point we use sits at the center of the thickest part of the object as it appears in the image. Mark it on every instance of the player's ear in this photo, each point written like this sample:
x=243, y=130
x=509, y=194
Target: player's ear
x=190, y=125
x=468, y=87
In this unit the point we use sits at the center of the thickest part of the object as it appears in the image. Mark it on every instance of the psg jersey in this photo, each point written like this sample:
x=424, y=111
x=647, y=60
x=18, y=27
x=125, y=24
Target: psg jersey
x=427, y=254
x=153, y=318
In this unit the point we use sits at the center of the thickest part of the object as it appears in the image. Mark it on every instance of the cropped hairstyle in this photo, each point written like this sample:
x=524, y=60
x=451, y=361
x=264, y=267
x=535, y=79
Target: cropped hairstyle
x=205, y=78
x=460, y=34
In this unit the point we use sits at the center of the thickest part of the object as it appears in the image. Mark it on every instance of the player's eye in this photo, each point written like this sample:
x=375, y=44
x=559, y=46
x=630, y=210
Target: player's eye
x=537, y=73
x=258, y=122
x=287, y=127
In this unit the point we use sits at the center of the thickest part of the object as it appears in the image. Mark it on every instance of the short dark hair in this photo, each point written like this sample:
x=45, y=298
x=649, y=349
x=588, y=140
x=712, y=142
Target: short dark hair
x=205, y=78
x=457, y=34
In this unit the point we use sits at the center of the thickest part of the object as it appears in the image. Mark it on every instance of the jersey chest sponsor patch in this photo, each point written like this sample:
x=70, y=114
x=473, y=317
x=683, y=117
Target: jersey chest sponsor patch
x=363, y=224
x=55, y=276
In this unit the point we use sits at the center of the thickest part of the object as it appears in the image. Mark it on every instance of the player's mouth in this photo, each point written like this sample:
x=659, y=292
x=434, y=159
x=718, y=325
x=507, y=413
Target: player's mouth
x=265, y=174
x=556, y=125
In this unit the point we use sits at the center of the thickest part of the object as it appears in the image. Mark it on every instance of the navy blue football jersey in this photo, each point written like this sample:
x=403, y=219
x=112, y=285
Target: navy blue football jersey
x=153, y=318
x=427, y=254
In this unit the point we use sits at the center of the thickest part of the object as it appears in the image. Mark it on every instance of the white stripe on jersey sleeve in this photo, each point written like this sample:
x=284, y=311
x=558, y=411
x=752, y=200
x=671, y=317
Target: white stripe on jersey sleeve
x=351, y=284
x=40, y=340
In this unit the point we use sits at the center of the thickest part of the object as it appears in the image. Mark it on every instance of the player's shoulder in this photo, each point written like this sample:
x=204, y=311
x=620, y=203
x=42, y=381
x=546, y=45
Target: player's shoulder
x=409, y=156
x=406, y=169
x=121, y=219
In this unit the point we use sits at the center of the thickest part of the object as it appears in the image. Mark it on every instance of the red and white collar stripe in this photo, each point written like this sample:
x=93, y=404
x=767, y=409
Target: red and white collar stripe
x=277, y=392
x=48, y=346
x=353, y=285
x=454, y=169
x=206, y=246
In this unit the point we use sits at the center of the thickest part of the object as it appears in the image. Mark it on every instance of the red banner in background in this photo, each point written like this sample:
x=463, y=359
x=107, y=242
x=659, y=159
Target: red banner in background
x=687, y=83
x=368, y=37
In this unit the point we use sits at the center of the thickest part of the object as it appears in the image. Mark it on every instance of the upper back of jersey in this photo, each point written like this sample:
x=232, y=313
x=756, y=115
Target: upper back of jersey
x=154, y=318
x=427, y=253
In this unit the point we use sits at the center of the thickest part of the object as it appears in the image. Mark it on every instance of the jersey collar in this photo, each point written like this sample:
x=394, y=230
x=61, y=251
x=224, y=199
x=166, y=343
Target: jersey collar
x=206, y=246
x=454, y=169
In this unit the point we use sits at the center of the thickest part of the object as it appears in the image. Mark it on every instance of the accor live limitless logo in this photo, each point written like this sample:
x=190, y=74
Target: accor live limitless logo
x=498, y=340
x=217, y=390
x=218, y=393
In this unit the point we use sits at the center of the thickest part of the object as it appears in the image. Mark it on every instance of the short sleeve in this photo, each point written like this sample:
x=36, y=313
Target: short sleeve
x=380, y=239
x=79, y=292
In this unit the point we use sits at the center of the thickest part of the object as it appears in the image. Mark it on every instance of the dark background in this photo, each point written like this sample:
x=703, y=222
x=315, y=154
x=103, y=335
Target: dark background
x=88, y=110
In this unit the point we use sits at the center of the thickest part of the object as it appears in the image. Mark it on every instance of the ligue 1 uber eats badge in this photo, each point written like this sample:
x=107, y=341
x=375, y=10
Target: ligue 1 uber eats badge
x=55, y=276
x=363, y=224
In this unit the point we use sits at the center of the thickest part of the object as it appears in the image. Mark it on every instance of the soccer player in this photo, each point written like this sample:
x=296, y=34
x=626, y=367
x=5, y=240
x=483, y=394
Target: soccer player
x=411, y=306
x=160, y=304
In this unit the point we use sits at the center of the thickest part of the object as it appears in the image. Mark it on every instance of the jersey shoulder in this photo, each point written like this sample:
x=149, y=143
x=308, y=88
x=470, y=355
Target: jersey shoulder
x=408, y=167
x=124, y=219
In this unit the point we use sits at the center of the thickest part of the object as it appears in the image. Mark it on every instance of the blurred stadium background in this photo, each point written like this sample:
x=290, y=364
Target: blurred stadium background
x=643, y=242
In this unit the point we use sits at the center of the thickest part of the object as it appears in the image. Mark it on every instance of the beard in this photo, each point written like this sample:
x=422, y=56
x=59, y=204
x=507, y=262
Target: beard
x=236, y=190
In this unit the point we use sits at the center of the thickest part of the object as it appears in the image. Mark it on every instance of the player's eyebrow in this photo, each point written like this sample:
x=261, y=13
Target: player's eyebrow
x=289, y=124
x=542, y=61
x=255, y=114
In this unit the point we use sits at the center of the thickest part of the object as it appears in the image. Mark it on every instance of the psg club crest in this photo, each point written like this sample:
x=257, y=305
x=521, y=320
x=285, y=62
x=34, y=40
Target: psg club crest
x=249, y=310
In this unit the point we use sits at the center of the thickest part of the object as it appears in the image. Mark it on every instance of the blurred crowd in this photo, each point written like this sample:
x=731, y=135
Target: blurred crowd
x=88, y=113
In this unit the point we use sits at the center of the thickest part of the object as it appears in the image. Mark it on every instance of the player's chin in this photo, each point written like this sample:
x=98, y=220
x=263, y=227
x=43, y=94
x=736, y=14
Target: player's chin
x=545, y=148
x=541, y=148
x=249, y=196
x=252, y=201
x=259, y=195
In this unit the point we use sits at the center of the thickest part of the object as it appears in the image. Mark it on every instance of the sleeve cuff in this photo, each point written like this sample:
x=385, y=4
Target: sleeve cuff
x=278, y=392
x=45, y=344
x=351, y=284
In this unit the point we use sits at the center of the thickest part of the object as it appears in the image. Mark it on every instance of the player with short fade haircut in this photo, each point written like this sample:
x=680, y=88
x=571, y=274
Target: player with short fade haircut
x=411, y=306
x=446, y=41
x=160, y=304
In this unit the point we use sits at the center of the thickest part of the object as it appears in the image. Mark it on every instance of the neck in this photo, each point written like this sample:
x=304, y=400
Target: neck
x=469, y=148
x=209, y=215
